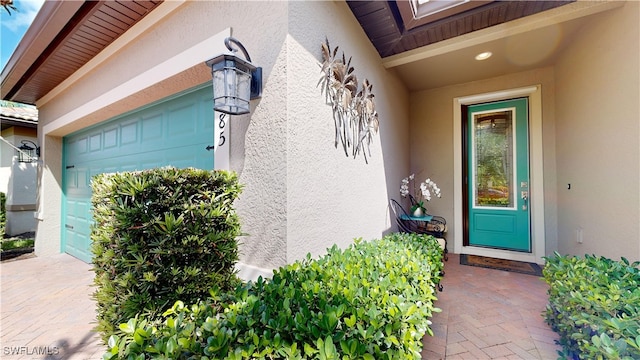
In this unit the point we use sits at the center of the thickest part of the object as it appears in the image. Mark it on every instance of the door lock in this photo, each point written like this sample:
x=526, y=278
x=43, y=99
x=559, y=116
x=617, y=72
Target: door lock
x=524, y=195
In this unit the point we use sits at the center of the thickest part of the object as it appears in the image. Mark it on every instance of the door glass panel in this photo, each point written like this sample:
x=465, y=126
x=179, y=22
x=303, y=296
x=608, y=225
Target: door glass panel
x=494, y=159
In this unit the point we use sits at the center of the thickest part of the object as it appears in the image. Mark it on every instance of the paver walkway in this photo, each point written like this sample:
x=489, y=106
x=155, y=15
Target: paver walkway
x=47, y=313
x=490, y=314
x=46, y=309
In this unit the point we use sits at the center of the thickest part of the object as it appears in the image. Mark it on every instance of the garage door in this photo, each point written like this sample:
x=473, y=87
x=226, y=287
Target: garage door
x=173, y=132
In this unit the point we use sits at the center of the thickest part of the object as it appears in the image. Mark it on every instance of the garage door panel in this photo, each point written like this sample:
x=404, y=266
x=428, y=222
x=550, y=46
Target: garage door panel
x=83, y=178
x=128, y=134
x=182, y=121
x=77, y=181
x=201, y=139
x=95, y=142
x=78, y=145
x=77, y=228
x=172, y=133
x=152, y=128
x=204, y=121
x=72, y=179
x=110, y=138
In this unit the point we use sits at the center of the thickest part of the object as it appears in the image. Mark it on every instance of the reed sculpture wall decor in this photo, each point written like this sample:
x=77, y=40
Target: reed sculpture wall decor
x=354, y=113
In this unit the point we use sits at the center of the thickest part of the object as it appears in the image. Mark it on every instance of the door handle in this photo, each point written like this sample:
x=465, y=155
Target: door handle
x=524, y=195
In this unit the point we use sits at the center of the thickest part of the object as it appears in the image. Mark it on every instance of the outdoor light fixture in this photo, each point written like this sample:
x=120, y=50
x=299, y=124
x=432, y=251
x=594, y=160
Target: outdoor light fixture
x=235, y=81
x=26, y=153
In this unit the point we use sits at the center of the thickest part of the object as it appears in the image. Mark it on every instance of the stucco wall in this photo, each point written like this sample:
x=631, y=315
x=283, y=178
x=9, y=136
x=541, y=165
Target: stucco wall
x=5, y=172
x=6, y=153
x=18, y=181
x=13, y=135
x=598, y=112
x=432, y=140
x=21, y=198
x=258, y=149
x=48, y=225
x=332, y=198
x=261, y=27
x=300, y=193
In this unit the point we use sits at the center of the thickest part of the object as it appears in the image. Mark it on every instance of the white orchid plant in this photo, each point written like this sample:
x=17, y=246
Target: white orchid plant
x=428, y=188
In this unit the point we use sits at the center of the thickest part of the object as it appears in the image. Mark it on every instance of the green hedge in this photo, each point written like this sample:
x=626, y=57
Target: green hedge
x=159, y=236
x=372, y=300
x=594, y=305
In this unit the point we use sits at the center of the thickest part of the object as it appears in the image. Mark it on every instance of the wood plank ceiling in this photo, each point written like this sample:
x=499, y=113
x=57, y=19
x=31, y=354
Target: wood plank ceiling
x=94, y=26
x=392, y=32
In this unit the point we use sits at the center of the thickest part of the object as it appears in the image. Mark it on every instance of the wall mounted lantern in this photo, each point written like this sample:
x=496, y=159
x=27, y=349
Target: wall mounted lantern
x=29, y=151
x=235, y=80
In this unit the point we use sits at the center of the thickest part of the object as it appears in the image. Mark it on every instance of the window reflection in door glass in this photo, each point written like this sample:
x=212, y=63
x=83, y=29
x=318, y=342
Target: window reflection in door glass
x=494, y=158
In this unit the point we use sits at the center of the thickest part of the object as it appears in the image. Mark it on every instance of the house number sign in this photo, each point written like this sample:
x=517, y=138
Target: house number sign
x=221, y=142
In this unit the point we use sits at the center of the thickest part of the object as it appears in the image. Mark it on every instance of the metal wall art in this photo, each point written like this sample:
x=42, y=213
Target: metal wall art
x=354, y=113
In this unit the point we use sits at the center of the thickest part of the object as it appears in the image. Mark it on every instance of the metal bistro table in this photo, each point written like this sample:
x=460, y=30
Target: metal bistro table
x=430, y=225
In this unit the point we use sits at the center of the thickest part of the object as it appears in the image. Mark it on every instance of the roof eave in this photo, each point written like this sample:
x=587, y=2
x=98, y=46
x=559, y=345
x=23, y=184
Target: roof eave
x=7, y=122
x=50, y=20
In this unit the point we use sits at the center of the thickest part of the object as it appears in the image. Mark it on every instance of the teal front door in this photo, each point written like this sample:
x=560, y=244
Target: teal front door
x=173, y=132
x=498, y=176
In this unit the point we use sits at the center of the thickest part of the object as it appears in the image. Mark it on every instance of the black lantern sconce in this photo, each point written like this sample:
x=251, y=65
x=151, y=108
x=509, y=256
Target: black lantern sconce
x=235, y=81
x=29, y=151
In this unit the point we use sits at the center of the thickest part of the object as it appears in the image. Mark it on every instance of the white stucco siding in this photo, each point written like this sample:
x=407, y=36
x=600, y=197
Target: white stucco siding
x=300, y=193
x=258, y=154
x=598, y=108
x=18, y=181
x=5, y=173
x=8, y=155
x=49, y=197
x=332, y=198
x=181, y=42
x=185, y=38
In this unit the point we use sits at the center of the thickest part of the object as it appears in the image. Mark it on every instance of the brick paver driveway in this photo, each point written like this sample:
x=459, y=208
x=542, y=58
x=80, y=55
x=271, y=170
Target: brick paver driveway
x=47, y=311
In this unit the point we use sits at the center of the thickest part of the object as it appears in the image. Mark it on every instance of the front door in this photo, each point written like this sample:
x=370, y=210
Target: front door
x=498, y=175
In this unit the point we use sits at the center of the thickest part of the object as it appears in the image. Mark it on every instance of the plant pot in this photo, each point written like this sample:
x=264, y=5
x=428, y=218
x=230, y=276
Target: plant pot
x=418, y=212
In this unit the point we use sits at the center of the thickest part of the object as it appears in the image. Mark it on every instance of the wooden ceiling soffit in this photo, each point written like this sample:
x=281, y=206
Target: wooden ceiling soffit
x=410, y=22
x=392, y=30
x=92, y=28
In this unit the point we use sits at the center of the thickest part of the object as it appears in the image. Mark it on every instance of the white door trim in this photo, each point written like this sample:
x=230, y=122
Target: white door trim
x=536, y=186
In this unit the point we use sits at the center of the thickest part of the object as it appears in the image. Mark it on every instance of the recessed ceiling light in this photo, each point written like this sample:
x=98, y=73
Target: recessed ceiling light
x=484, y=55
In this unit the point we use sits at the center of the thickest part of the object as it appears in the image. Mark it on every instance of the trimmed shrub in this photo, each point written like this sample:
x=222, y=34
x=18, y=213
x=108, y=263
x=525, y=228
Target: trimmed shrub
x=159, y=236
x=372, y=300
x=594, y=305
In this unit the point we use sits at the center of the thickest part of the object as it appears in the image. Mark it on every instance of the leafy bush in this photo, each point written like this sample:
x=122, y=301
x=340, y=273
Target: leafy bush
x=594, y=305
x=3, y=213
x=369, y=301
x=159, y=236
x=17, y=244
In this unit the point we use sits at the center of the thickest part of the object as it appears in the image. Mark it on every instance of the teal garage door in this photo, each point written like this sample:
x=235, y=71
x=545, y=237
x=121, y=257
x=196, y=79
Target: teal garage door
x=173, y=132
